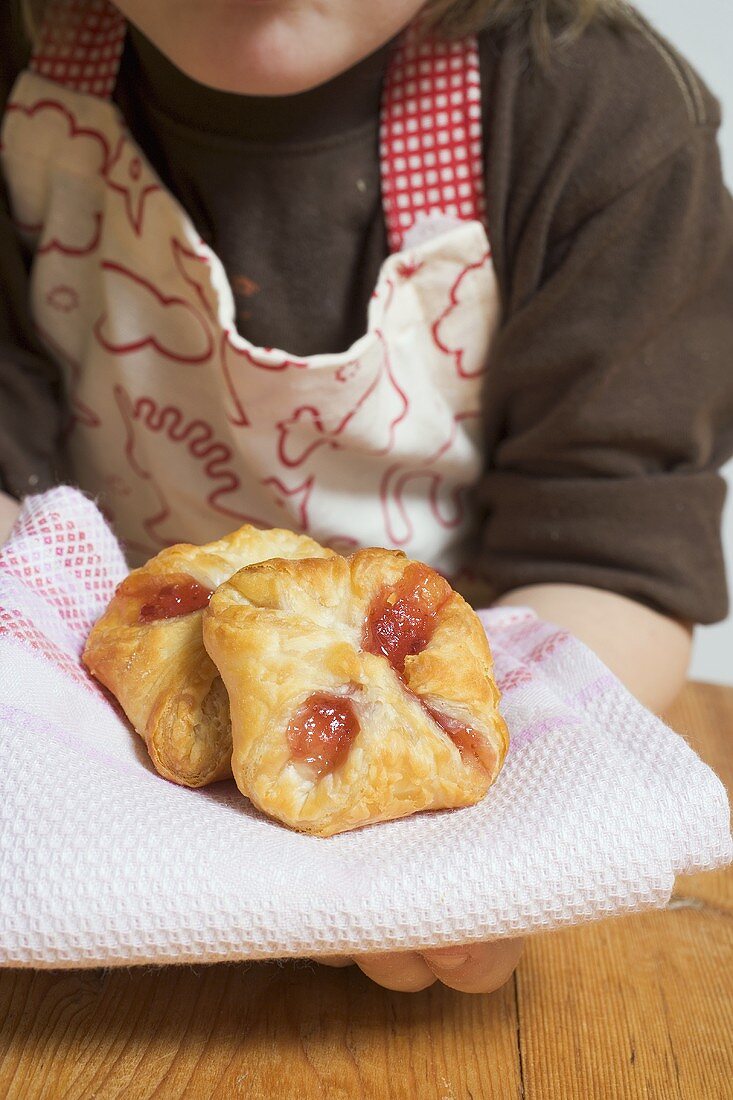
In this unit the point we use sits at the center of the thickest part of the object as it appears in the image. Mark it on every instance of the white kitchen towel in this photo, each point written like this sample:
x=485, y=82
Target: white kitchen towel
x=102, y=862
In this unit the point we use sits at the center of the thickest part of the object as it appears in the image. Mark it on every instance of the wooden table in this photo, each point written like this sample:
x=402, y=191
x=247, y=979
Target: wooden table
x=634, y=1007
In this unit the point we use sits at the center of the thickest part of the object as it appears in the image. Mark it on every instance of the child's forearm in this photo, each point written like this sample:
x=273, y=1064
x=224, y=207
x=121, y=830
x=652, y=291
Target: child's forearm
x=8, y=511
x=649, y=652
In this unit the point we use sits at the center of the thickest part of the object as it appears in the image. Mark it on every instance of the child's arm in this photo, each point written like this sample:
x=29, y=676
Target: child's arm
x=30, y=382
x=649, y=652
x=609, y=394
x=31, y=403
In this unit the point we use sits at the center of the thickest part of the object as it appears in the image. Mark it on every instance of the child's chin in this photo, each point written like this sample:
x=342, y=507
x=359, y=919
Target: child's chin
x=258, y=69
x=268, y=47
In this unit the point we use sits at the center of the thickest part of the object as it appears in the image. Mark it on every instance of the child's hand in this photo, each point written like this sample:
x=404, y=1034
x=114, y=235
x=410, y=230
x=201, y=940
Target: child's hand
x=475, y=968
x=8, y=511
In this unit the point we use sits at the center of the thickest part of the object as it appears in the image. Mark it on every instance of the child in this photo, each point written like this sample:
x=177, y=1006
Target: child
x=192, y=187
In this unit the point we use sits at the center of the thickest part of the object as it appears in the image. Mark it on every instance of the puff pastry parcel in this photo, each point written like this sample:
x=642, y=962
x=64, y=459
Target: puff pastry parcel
x=148, y=650
x=361, y=690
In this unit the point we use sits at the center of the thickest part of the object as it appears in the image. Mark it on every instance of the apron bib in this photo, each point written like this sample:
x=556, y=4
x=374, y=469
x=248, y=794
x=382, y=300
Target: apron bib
x=180, y=426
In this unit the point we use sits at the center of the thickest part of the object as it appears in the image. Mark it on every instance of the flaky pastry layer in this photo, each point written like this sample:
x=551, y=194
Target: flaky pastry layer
x=160, y=672
x=280, y=631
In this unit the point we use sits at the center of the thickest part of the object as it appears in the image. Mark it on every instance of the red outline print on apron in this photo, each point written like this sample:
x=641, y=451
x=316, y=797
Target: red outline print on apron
x=449, y=328
x=193, y=439
x=81, y=249
x=168, y=325
x=128, y=175
x=181, y=426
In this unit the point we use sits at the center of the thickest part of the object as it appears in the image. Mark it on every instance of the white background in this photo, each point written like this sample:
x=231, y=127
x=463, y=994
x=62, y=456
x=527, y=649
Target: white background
x=703, y=31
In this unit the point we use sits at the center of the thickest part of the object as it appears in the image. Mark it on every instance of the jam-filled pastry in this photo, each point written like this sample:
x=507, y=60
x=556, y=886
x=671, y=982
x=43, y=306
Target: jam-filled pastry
x=148, y=650
x=361, y=690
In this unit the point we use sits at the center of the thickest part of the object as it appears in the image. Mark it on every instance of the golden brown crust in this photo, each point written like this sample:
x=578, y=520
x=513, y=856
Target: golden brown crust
x=160, y=672
x=281, y=631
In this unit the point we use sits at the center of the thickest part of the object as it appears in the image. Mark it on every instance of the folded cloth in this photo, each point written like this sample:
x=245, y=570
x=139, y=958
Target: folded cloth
x=597, y=809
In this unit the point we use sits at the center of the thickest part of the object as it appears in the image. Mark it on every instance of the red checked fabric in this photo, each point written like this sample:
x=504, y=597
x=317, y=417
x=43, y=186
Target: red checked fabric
x=80, y=45
x=431, y=134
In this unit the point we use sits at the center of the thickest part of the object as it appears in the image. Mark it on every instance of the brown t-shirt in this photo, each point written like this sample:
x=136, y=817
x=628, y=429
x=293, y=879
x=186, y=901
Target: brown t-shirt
x=609, y=398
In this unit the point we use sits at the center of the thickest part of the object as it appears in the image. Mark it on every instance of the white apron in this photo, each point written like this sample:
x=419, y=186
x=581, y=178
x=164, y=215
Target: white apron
x=180, y=426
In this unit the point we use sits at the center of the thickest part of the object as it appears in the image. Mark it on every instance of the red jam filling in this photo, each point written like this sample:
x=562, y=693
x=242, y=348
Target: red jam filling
x=467, y=740
x=400, y=623
x=321, y=731
x=178, y=595
x=403, y=617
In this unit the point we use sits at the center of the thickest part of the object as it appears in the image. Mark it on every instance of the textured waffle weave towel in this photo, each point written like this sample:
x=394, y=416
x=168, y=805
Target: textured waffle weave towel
x=103, y=863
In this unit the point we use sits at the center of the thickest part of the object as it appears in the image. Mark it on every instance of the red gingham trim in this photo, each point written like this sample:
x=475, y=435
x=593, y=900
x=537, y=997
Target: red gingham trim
x=13, y=624
x=80, y=45
x=48, y=533
x=431, y=151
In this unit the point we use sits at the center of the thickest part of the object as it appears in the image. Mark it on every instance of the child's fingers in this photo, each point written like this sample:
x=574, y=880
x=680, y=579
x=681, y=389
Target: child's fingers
x=404, y=971
x=335, y=960
x=477, y=967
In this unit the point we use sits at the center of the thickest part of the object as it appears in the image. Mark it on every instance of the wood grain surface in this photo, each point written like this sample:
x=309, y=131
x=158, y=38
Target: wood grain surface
x=633, y=1007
